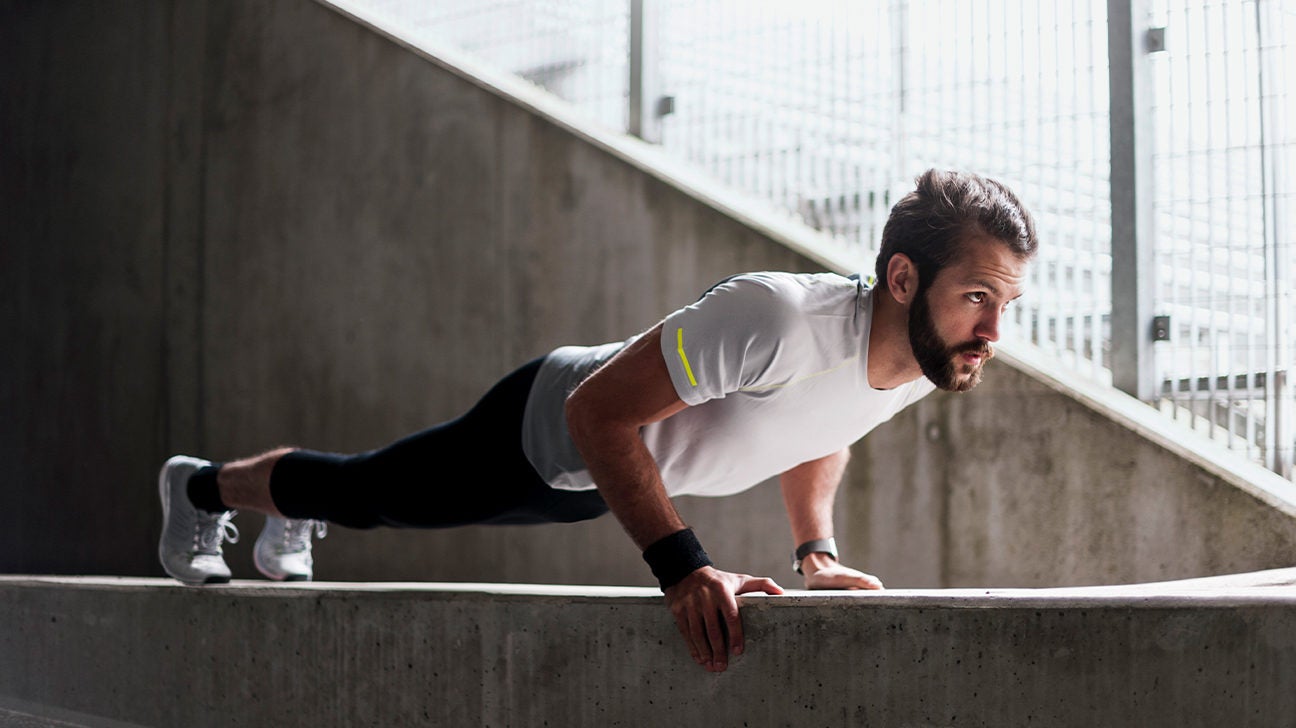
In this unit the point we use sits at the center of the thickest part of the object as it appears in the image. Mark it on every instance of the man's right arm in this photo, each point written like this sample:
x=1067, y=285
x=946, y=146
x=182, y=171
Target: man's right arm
x=604, y=416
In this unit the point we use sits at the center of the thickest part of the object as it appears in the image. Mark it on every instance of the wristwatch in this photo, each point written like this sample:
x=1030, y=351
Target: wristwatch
x=819, y=546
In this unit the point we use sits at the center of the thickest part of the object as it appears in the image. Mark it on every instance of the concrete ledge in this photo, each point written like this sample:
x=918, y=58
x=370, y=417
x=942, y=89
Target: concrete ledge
x=151, y=652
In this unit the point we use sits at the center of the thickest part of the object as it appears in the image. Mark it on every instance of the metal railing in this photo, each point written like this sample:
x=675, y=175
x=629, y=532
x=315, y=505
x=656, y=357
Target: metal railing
x=1148, y=137
x=1223, y=234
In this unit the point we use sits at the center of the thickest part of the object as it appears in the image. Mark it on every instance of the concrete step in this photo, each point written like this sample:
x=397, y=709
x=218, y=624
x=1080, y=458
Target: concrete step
x=1218, y=651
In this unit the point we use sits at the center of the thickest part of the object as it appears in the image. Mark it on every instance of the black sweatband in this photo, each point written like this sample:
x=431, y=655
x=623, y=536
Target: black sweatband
x=675, y=557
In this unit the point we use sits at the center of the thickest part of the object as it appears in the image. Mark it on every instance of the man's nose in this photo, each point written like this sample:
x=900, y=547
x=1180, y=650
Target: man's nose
x=987, y=328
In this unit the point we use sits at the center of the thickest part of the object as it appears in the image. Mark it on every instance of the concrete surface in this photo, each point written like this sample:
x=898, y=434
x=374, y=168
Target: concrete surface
x=230, y=225
x=151, y=652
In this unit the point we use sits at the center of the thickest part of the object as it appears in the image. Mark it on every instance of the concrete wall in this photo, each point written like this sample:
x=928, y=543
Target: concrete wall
x=232, y=225
x=238, y=224
x=151, y=652
x=84, y=305
x=1025, y=483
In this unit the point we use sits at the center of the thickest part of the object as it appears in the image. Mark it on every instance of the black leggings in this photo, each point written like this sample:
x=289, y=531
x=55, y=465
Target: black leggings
x=467, y=471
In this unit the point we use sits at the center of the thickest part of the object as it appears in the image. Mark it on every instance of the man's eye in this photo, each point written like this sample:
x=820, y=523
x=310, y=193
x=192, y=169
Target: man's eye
x=976, y=297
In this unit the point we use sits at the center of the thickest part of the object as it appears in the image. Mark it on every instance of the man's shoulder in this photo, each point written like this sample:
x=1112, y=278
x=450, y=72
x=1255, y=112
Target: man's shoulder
x=796, y=289
x=785, y=280
x=766, y=303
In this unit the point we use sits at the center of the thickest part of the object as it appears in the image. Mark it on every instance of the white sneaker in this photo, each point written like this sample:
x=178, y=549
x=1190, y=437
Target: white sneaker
x=283, y=550
x=190, y=547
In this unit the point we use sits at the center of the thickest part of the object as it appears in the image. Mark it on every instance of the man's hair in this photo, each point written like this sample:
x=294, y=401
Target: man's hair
x=946, y=209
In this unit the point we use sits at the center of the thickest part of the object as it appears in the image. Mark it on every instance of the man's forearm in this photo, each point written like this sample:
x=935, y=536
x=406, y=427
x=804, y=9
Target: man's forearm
x=604, y=416
x=629, y=481
x=809, y=490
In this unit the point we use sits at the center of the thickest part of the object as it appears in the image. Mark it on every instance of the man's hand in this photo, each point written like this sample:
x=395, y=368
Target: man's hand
x=823, y=572
x=705, y=606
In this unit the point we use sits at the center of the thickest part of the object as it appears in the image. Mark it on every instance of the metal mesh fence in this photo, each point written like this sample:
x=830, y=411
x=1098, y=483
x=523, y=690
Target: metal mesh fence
x=828, y=109
x=1223, y=162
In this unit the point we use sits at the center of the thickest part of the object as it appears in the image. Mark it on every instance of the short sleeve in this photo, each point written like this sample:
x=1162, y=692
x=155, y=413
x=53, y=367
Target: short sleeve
x=727, y=340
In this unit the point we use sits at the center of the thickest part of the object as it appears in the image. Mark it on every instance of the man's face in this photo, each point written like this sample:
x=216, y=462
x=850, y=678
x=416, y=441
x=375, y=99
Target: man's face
x=954, y=321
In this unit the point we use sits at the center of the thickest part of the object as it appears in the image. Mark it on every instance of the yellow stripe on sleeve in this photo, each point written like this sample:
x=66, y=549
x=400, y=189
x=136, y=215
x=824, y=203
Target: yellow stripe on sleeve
x=679, y=337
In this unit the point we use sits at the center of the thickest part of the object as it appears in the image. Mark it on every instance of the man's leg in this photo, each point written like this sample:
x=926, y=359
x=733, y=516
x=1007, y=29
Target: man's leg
x=245, y=484
x=469, y=470
x=283, y=550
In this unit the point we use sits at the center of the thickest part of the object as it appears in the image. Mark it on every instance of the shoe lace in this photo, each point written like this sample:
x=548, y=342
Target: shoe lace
x=214, y=528
x=297, y=533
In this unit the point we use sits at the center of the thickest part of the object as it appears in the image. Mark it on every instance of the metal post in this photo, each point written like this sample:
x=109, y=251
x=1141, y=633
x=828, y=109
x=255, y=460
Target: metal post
x=645, y=114
x=1133, y=277
x=899, y=172
x=1279, y=436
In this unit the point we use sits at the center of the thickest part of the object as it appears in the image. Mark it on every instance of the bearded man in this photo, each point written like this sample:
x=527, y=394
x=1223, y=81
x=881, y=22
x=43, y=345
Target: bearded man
x=766, y=374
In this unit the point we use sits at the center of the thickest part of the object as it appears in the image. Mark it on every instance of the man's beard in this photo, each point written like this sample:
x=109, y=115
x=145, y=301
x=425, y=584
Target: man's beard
x=941, y=363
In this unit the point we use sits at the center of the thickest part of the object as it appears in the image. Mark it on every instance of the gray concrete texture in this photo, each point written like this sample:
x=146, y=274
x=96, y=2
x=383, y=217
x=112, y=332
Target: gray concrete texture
x=150, y=652
x=232, y=225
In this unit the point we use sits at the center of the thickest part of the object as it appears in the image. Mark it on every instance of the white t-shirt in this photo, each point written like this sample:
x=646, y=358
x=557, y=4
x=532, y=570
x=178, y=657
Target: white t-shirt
x=774, y=367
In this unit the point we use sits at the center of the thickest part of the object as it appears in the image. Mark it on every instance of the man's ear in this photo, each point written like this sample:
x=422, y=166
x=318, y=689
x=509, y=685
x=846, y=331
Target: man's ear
x=902, y=278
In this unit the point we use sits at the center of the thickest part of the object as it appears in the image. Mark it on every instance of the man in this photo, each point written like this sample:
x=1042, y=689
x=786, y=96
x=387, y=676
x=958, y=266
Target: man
x=767, y=374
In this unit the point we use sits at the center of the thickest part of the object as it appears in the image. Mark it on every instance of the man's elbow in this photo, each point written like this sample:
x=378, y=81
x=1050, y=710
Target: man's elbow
x=580, y=414
x=593, y=422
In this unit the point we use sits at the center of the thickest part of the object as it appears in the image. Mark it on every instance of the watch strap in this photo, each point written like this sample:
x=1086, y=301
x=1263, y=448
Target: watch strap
x=818, y=545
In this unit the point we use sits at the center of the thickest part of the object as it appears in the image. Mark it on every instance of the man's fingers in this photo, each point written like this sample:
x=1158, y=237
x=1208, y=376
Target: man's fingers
x=682, y=623
x=733, y=620
x=856, y=580
x=705, y=606
x=698, y=638
x=840, y=577
x=716, y=643
x=733, y=623
x=758, y=584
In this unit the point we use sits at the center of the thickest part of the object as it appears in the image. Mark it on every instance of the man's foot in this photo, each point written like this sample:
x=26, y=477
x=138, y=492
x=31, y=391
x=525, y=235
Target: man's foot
x=283, y=550
x=190, y=548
